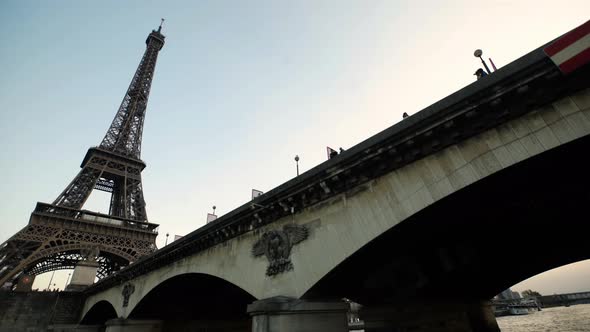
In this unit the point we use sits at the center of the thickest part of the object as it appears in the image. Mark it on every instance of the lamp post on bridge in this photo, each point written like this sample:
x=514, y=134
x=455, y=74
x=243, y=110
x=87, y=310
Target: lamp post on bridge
x=297, y=163
x=478, y=53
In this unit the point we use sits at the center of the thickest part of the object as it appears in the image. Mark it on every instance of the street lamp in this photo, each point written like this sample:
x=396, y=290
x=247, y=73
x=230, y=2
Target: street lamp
x=67, y=279
x=478, y=54
x=297, y=163
x=50, y=280
x=166, y=243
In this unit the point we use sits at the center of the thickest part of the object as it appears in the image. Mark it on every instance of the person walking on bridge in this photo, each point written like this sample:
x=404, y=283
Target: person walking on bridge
x=480, y=73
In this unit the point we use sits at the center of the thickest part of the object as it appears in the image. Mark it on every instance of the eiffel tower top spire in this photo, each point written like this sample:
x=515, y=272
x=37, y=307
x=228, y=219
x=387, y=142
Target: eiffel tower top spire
x=124, y=135
x=160, y=27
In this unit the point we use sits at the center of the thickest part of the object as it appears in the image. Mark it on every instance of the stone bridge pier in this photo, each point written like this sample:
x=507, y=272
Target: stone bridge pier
x=293, y=315
x=431, y=316
x=283, y=314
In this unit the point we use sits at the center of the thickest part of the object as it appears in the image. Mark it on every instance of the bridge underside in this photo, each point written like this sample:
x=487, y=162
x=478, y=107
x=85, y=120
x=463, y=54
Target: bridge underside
x=510, y=226
x=193, y=301
x=100, y=313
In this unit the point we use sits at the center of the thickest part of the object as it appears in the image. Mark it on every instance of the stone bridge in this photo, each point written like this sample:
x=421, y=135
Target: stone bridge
x=564, y=299
x=417, y=223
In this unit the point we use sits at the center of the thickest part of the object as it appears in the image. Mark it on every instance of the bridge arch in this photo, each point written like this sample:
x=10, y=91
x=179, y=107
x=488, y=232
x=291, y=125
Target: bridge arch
x=99, y=313
x=204, y=266
x=194, y=298
x=478, y=241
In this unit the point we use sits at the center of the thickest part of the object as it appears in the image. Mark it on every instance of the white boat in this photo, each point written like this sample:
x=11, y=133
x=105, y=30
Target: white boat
x=524, y=307
x=517, y=309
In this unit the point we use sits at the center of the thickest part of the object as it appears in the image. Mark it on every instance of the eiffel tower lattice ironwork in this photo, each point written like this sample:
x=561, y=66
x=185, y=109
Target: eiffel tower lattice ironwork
x=61, y=234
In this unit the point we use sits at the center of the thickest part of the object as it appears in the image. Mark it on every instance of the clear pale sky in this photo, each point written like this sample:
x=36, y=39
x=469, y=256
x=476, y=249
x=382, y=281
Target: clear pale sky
x=240, y=88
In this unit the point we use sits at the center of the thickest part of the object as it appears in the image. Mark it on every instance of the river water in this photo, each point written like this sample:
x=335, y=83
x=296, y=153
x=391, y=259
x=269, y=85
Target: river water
x=575, y=318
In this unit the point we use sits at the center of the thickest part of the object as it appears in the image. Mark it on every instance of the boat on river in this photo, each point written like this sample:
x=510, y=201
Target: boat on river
x=519, y=309
x=523, y=307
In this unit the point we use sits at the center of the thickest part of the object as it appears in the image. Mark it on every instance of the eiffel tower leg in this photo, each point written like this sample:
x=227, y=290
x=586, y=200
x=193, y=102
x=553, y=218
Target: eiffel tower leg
x=127, y=196
x=18, y=250
x=136, y=207
x=77, y=192
x=117, y=206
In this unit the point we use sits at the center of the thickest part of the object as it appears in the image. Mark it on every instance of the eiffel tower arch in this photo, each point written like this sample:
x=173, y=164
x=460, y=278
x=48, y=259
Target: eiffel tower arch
x=60, y=235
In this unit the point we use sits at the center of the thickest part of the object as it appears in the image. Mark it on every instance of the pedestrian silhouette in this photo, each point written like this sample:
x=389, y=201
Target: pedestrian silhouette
x=331, y=152
x=480, y=73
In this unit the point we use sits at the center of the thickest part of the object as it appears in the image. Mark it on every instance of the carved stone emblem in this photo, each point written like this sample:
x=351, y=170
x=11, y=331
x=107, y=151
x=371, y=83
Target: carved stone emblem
x=128, y=289
x=276, y=246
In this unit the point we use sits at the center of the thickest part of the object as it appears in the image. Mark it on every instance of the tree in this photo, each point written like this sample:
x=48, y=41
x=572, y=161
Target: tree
x=530, y=293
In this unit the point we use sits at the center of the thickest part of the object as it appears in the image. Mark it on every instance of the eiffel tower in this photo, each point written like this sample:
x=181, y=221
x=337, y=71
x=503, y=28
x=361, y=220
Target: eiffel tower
x=61, y=235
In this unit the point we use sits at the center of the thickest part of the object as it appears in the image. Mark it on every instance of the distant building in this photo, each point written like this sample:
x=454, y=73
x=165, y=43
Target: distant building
x=508, y=294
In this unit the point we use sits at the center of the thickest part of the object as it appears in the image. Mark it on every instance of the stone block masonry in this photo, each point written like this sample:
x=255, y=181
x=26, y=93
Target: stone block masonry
x=37, y=311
